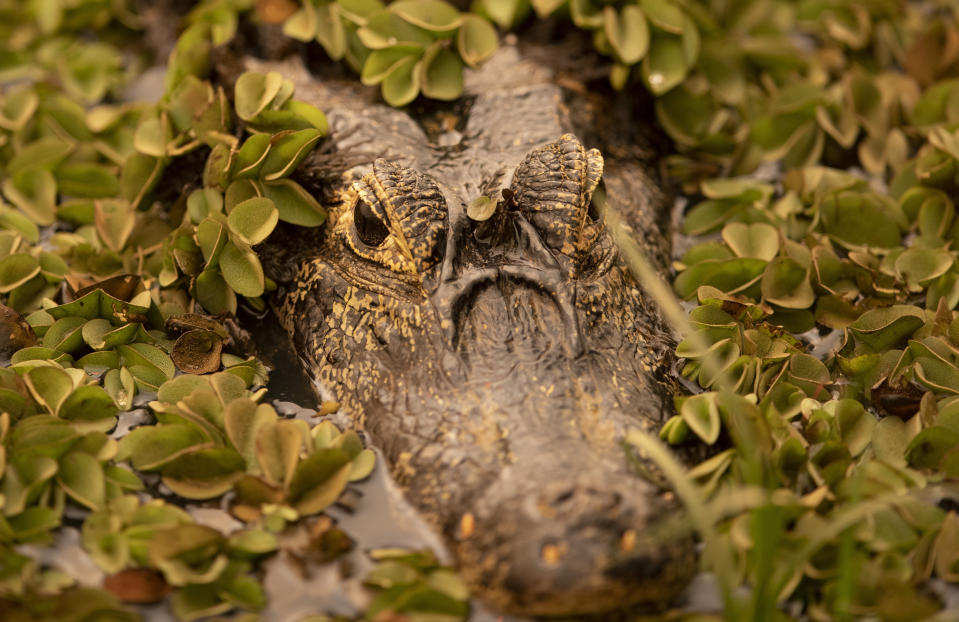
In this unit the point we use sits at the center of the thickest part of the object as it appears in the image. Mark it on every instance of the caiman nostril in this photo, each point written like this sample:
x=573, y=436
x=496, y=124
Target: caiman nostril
x=585, y=502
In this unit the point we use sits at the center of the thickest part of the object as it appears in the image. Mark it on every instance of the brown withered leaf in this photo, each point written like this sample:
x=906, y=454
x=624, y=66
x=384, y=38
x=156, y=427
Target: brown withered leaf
x=121, y=287
x=902, y=402
x=138, y=585
x=275, y=11
x=933, y=54
x=14, y=332
x=179, y=324
x=327, y=541
x=197, y=351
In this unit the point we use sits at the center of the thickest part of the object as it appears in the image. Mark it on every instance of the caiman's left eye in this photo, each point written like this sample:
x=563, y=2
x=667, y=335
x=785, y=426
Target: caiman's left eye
x=553, y=188
x=369, y=228
x=398, y=218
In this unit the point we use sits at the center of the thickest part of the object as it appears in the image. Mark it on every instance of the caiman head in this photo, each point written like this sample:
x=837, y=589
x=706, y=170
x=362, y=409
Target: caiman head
x=497, y=363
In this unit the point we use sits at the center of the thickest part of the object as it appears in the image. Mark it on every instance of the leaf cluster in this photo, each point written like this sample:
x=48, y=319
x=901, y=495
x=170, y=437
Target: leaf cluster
x=212, y=436
x=407, y=47
x=414, y=585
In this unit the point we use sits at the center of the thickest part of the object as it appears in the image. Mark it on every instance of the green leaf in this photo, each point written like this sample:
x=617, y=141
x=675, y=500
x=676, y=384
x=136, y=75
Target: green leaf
x=65, y=334
x=148, y=364
x=249, y=159
x=861, y=219
x=277, y=448
x=758, y=240
x=121, y=387
x=203, y=473
x=34, y=191
x=99, y=304
x=309, y=113
x=319, y=480
x=476, y=40
x=302, y=24
x=13, y=220
x=45, y=153
x=387, y=29
x=216, y=171
x=49, y=386
x=362, y=465
x=296, y=206
x=919, y=266
x=786, y=283
x=153, y=135
x=440, y=74
x=139, y=176
x=242, y=270
x=254, y=91
x=809, y=374
x=87, y=180
x=213, y=293
x=381, y=62
x=81, y=476
x=664, y=15
x=149, y=448
x=628, y=32
x=17, y=269
x=402, y=85
x=664, y=66
x=883, y=329
x=432, y=15
x=212, y=237
x=287, y=151
x=702, y=416
x=114, y=220
x=927, y=449
x=176, y=389
x=242, y=420
x=17, y=108
x=253, y=220
x=253, y=542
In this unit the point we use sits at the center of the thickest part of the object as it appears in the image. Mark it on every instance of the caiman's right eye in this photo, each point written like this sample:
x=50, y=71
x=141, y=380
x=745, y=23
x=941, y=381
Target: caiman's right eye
x=369, y=228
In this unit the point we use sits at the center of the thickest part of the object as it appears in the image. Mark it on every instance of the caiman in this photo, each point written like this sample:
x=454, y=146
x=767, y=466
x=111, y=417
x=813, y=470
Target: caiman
x=498, y=359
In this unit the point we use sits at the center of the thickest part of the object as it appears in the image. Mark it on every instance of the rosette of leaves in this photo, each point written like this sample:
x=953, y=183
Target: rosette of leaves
x=28, y=272
x=246, y=191
x=46, y=43
x=845, y=484
x=288, y=469
x=658, y=34
x=31, y=593
x=413, y=585
x=63, y=163
x=210, y=23
x=731, y=328
x=212, y=436
x=111, y=330
x=207, y=571
x=46, y=460
x=407, y=47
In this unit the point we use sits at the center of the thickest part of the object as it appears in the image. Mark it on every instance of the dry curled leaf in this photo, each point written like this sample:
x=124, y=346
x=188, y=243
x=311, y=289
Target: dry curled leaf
x=198, y=351
x=142, y=586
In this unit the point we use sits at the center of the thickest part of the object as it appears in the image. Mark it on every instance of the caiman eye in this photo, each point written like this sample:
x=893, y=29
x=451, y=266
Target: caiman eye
x=369, y=228
x=553, y=188
x=398, y=218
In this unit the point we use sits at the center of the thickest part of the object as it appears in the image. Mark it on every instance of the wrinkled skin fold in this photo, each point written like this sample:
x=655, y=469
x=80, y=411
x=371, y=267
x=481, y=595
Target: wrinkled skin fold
x=498, y=364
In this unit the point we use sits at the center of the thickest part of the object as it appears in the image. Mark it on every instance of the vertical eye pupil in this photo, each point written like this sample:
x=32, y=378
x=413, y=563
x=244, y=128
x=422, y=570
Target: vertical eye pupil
x=369, y=228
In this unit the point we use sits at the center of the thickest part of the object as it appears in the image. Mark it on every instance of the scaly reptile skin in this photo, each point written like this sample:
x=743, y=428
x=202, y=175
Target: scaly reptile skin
x=498, y=364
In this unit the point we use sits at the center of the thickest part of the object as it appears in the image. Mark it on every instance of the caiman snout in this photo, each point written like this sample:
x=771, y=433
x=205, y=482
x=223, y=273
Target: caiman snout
x=578, y=545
